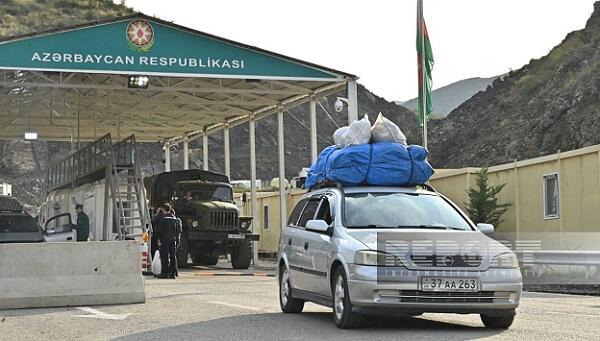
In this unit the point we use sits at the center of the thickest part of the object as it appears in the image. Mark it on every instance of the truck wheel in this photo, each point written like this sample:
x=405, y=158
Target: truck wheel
x=204, y=259
x=182, y=252
x=241, y=256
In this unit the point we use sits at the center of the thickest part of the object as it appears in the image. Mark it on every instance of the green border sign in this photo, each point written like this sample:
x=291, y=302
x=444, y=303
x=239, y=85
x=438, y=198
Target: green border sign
x=144, y=46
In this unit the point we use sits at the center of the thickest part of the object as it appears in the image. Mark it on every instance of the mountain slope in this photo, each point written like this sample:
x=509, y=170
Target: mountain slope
x=549, y=104
x=449, y=97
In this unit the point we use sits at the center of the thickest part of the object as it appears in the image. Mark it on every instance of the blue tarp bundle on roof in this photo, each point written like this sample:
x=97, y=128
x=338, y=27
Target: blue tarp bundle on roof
x=378, y=164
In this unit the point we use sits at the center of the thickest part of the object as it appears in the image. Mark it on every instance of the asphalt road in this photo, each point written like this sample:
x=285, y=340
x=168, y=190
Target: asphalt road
x=201, y=306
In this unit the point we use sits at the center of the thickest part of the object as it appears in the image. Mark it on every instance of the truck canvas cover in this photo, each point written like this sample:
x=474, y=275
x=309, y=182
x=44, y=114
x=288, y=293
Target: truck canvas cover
x=160, y=187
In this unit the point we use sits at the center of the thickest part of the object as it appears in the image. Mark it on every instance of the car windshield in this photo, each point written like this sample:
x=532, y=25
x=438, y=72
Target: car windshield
x=219, y=193
x=401, y=210
x=17, y=223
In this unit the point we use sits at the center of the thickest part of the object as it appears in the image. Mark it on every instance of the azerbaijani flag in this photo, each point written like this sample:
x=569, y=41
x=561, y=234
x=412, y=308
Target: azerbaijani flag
x=425, y=62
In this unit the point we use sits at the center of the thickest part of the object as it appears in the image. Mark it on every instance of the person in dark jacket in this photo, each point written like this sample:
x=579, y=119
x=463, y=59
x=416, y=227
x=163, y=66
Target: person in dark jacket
x=83, y=224
x=167, y=232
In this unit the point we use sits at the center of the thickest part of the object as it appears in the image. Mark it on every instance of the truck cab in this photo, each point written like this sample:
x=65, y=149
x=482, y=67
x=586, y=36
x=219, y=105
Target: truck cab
x=212, y=225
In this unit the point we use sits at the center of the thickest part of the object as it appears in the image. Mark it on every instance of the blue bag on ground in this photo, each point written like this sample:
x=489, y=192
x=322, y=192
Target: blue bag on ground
x=390, y=164
x=421, y=169
x=318, y=171
x=349, y=165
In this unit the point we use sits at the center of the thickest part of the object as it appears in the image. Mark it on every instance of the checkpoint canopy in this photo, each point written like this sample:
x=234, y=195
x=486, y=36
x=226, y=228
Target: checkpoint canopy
x=159, y=81
x=73, y=82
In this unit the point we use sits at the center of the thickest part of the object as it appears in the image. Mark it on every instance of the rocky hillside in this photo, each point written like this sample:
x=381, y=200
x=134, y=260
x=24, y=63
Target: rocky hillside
x=23, y=164
x=551, y=103
x=449, y=97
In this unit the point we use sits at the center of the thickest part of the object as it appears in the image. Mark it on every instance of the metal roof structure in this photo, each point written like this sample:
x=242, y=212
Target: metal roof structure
x=73, y=82
x=82, y=82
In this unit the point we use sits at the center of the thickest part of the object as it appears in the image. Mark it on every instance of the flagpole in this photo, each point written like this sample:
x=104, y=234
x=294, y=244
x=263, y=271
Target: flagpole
x=423, y=75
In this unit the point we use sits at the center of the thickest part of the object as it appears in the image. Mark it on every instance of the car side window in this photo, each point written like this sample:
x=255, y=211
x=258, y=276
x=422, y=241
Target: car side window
x=293, y=221
x=309, y=212
x=324, y=212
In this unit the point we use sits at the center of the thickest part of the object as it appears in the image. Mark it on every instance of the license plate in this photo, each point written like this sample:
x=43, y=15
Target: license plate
x=236, y=236
x=449, y=284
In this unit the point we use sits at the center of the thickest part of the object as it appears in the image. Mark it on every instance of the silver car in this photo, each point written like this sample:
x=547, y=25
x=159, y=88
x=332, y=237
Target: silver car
x=394, y=251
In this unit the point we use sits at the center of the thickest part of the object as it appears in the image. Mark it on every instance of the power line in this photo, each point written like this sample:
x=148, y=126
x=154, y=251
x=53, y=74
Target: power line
x=328, y=115
x=308, y=128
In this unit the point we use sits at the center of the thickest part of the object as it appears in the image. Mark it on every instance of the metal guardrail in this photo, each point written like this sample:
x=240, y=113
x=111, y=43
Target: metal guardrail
x=553, y=257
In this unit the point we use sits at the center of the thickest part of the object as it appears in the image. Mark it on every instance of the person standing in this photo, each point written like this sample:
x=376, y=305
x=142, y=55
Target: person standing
x=168, y=234
x=83, y=224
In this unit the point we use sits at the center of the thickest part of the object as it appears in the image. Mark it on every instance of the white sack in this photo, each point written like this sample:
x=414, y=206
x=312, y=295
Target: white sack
x=359, y=132
x=156, y=265
x=339, y=137
x=384, y=130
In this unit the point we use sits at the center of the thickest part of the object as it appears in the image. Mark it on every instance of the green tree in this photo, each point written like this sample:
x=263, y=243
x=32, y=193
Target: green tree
x=483, y=206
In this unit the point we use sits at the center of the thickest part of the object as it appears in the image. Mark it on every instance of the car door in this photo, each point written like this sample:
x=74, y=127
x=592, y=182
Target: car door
x=318, y=250
x=298, y=242
x=288, y=236
x=60, y=228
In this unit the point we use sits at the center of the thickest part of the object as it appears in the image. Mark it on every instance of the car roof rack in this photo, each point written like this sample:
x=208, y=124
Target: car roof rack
x=333, y=184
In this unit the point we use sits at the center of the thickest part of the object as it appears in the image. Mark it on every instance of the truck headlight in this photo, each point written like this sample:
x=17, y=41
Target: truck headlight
x=195, y=223
x=245, y=224
x=505, y=261
x=376, y=258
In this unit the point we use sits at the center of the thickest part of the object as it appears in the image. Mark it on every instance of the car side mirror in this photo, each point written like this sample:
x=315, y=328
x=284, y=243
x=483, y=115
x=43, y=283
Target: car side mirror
x=317, y=226
x=487, y=229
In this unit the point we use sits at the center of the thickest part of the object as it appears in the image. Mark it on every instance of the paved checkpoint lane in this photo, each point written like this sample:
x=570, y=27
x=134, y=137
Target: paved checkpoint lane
x=244, y=307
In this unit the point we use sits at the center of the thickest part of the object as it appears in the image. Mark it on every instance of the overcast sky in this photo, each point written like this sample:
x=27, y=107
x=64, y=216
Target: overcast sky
x=376, y=39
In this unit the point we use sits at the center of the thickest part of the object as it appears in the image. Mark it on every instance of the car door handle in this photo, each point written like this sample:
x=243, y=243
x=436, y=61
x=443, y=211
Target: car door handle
x=290, y=241
x=305, y=245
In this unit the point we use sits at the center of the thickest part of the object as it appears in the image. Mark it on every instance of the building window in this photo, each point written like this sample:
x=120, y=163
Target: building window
x=266, y=217
x=551, y=196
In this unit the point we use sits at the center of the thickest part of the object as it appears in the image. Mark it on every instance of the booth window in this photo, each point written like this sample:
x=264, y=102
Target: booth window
x=551, y=196
x=266, y=217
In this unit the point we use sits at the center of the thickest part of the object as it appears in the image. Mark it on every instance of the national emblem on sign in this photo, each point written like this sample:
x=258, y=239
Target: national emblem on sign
x=140, y=35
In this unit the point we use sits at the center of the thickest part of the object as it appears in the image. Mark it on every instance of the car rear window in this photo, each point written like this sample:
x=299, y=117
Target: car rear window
x=17, y=223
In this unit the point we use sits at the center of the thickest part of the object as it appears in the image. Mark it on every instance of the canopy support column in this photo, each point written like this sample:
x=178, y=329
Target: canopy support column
x=205, y=151
x=167, y=149
x=281, y=147
x=352, y=101
x=186, y=154
x=253, y=198
x=313, y=128
x=226, y=151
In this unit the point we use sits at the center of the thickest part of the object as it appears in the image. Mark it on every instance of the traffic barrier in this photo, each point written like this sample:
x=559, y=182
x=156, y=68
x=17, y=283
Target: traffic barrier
x=70, y=274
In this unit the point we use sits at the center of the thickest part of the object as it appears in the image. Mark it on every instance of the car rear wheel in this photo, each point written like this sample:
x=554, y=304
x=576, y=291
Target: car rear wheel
x=497, y=322
x=287, y=303
x=342, y=307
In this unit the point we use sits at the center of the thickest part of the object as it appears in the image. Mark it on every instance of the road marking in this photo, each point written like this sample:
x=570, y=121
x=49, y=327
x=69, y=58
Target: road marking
x=239, y=306
x=233, y=274
x=561, y=313
x=97, y=314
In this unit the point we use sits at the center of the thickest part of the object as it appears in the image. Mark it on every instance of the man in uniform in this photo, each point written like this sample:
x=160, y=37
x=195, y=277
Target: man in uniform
x=167, y=232
x=83, y=224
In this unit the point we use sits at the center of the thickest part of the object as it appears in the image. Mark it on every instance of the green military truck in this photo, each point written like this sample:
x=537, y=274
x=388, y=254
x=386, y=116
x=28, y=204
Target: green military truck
x=212, y=225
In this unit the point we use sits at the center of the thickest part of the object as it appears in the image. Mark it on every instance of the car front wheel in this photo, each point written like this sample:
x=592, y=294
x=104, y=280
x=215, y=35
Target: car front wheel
x=286, y=301
x=497, y=322
x=342, y=307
